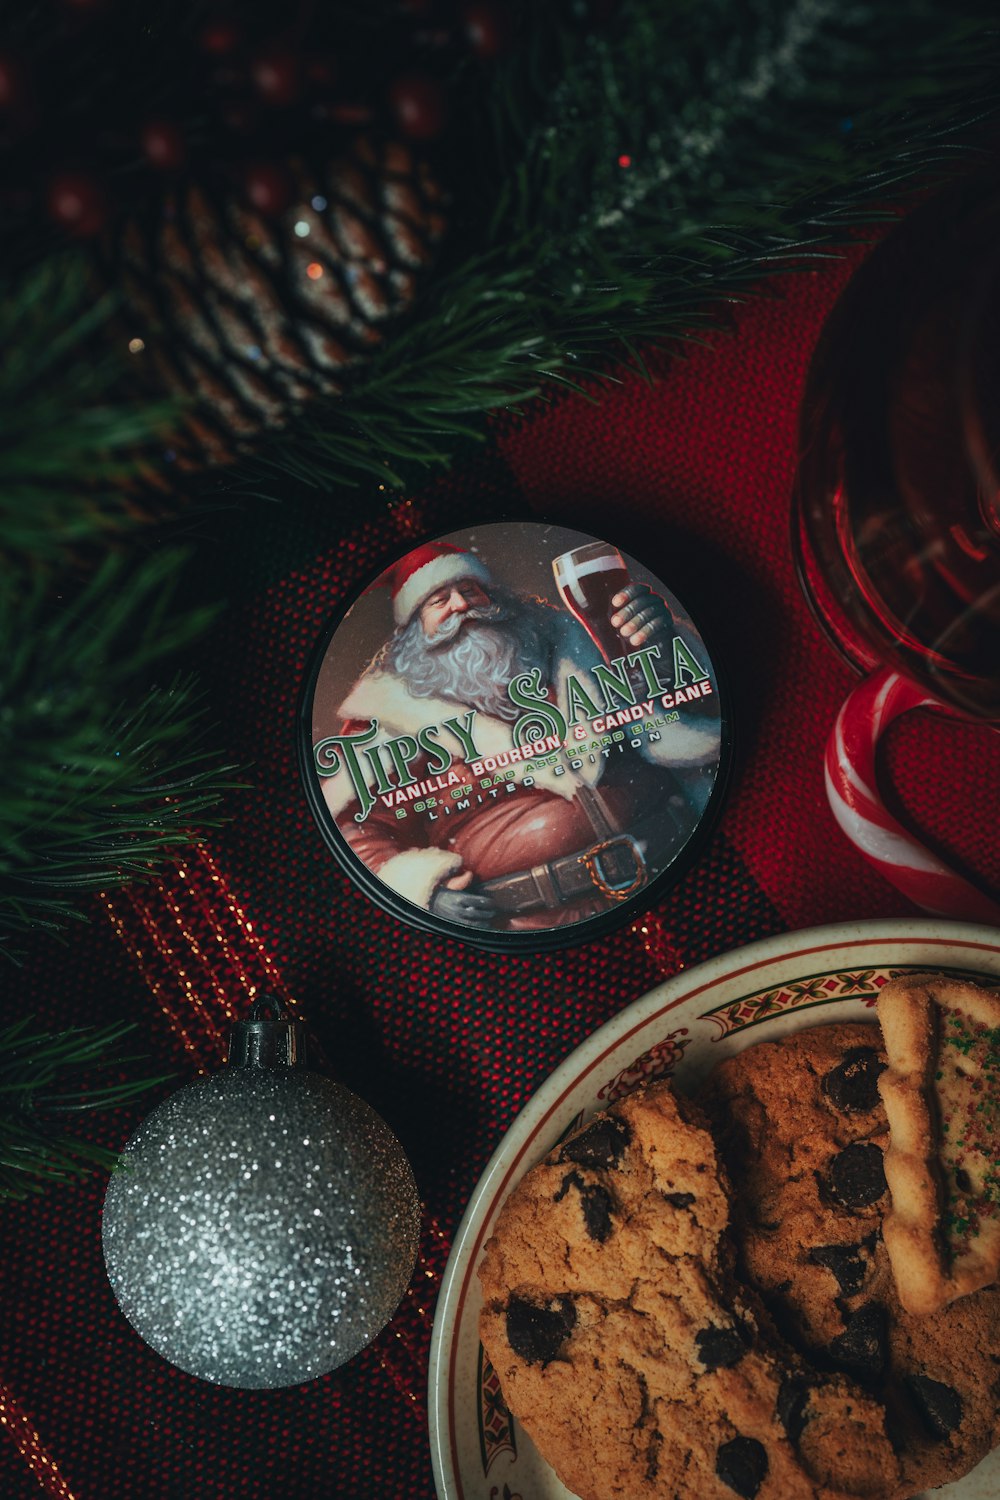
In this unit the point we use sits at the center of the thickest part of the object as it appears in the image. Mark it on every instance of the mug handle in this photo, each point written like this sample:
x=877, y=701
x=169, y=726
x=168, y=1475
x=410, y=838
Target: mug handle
x=852, y=790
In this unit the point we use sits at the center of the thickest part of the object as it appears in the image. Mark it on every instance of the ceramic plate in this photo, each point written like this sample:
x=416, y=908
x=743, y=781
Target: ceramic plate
x=682, y=1028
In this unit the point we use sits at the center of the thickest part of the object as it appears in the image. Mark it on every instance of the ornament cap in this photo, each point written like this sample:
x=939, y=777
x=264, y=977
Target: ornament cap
x=266, y=1040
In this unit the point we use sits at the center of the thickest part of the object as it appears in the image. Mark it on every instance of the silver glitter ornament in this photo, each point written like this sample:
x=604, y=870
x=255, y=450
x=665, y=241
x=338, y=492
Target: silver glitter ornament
x=263, y=1226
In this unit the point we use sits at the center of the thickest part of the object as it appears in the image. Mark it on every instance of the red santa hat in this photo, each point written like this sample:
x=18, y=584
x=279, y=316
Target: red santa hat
x=425, y=570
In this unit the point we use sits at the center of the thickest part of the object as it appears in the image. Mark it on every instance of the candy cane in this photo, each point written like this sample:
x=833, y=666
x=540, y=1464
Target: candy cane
x=851, y=787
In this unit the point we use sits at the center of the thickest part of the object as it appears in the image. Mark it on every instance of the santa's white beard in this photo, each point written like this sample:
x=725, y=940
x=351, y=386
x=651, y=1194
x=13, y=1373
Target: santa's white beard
x=472, y=657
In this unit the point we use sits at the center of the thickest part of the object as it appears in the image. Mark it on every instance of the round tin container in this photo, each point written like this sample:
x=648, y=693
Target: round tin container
x=489, y=758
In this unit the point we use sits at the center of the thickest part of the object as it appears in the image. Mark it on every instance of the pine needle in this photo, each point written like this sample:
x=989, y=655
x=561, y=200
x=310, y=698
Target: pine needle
x=45, y=1076
x=104, y=764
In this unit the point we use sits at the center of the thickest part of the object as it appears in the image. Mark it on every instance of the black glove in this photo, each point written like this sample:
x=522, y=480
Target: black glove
x=644, y=619
x=464, y=907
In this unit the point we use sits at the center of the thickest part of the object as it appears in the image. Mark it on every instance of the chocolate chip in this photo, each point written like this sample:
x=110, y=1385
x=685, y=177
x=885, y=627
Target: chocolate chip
x=857, y=1176
x=742, y=1464
x=847, y=1263
x=537, y=1334
x=597, y=1207
x=599, y=1145
x=653, y=1453
x=680, y=1200
x=718, y=1348
x=793, y=1398
x=644, y=1406
x=852, y=1086
x=861, y=1348
x=596, y=1203
x=940, y=1405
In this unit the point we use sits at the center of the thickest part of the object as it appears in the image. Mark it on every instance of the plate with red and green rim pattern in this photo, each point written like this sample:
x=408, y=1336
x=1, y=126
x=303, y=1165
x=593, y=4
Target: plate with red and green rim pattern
x=680, y=1029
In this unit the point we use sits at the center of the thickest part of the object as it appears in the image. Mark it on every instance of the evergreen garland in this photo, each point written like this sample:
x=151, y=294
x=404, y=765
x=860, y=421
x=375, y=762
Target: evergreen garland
x=103, y=767
x=68, y=439
x=641, y=179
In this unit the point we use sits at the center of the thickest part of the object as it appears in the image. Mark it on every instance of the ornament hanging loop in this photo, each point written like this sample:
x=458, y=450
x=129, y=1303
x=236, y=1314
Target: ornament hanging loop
x=268, y=1038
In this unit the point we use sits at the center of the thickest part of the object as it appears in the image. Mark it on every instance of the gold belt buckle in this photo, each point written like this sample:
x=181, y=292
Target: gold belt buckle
x=615, y=890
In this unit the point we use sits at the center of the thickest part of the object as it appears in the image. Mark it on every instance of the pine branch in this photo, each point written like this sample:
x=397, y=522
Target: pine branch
x=104, y=768
x=45, y=1076
x=675, y=165
x=69, y=440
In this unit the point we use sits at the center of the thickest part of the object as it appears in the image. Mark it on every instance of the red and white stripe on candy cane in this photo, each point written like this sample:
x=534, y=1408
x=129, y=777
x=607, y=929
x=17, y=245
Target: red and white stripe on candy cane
x=852, y=789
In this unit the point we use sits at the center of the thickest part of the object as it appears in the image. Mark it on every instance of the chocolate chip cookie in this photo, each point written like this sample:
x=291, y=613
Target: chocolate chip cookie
x=632, y=1356
x=802, y=1130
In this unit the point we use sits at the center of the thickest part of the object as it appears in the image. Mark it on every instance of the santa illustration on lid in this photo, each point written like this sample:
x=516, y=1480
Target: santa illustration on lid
x=498, y=770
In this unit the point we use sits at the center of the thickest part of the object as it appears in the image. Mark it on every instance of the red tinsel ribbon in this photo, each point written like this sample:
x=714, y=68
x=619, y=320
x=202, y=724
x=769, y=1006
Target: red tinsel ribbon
x=18, y=1427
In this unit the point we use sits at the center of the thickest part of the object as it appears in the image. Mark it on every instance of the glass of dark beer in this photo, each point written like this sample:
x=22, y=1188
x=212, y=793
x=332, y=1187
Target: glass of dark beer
x=588, y=578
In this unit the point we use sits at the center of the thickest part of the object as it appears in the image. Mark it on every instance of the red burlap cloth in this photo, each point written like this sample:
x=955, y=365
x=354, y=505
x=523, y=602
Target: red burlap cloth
x=693, y=472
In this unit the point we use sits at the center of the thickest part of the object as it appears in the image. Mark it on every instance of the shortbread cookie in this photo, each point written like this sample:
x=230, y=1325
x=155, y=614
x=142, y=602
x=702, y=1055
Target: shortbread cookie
x=801, y=1126
x=942, y=1100
x=625, y=1347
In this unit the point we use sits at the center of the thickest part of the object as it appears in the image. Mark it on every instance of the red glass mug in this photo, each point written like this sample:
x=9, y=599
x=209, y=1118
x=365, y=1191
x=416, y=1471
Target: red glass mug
x=896, y=521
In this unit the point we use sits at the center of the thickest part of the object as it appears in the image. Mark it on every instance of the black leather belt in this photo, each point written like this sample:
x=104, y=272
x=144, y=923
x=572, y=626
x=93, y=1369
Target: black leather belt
x=614, y=867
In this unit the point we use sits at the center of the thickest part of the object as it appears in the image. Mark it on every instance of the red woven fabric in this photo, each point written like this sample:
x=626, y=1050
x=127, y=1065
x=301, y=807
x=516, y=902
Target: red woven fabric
x=692, y=472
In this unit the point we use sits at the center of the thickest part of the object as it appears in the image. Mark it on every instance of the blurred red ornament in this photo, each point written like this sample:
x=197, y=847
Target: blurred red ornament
x=488, y=29
x=220, y=37
x=163, y=145
x=277, y=76
x=420, y=106
x=78, y=202
x=268, y=188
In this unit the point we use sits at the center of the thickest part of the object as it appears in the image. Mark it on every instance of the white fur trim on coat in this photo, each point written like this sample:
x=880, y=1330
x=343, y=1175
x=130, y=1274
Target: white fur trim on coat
x=417, y=873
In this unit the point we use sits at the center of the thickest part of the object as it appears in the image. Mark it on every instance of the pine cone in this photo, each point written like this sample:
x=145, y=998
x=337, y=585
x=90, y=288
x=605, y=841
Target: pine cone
x=254, y=317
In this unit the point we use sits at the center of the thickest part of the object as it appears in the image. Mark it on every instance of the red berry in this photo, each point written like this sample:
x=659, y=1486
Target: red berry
x=487, y=28
x=420, y=105
x=268, y=188
x=163, y=145
x=219, y=37
x=277, y=76
x=78, y=203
